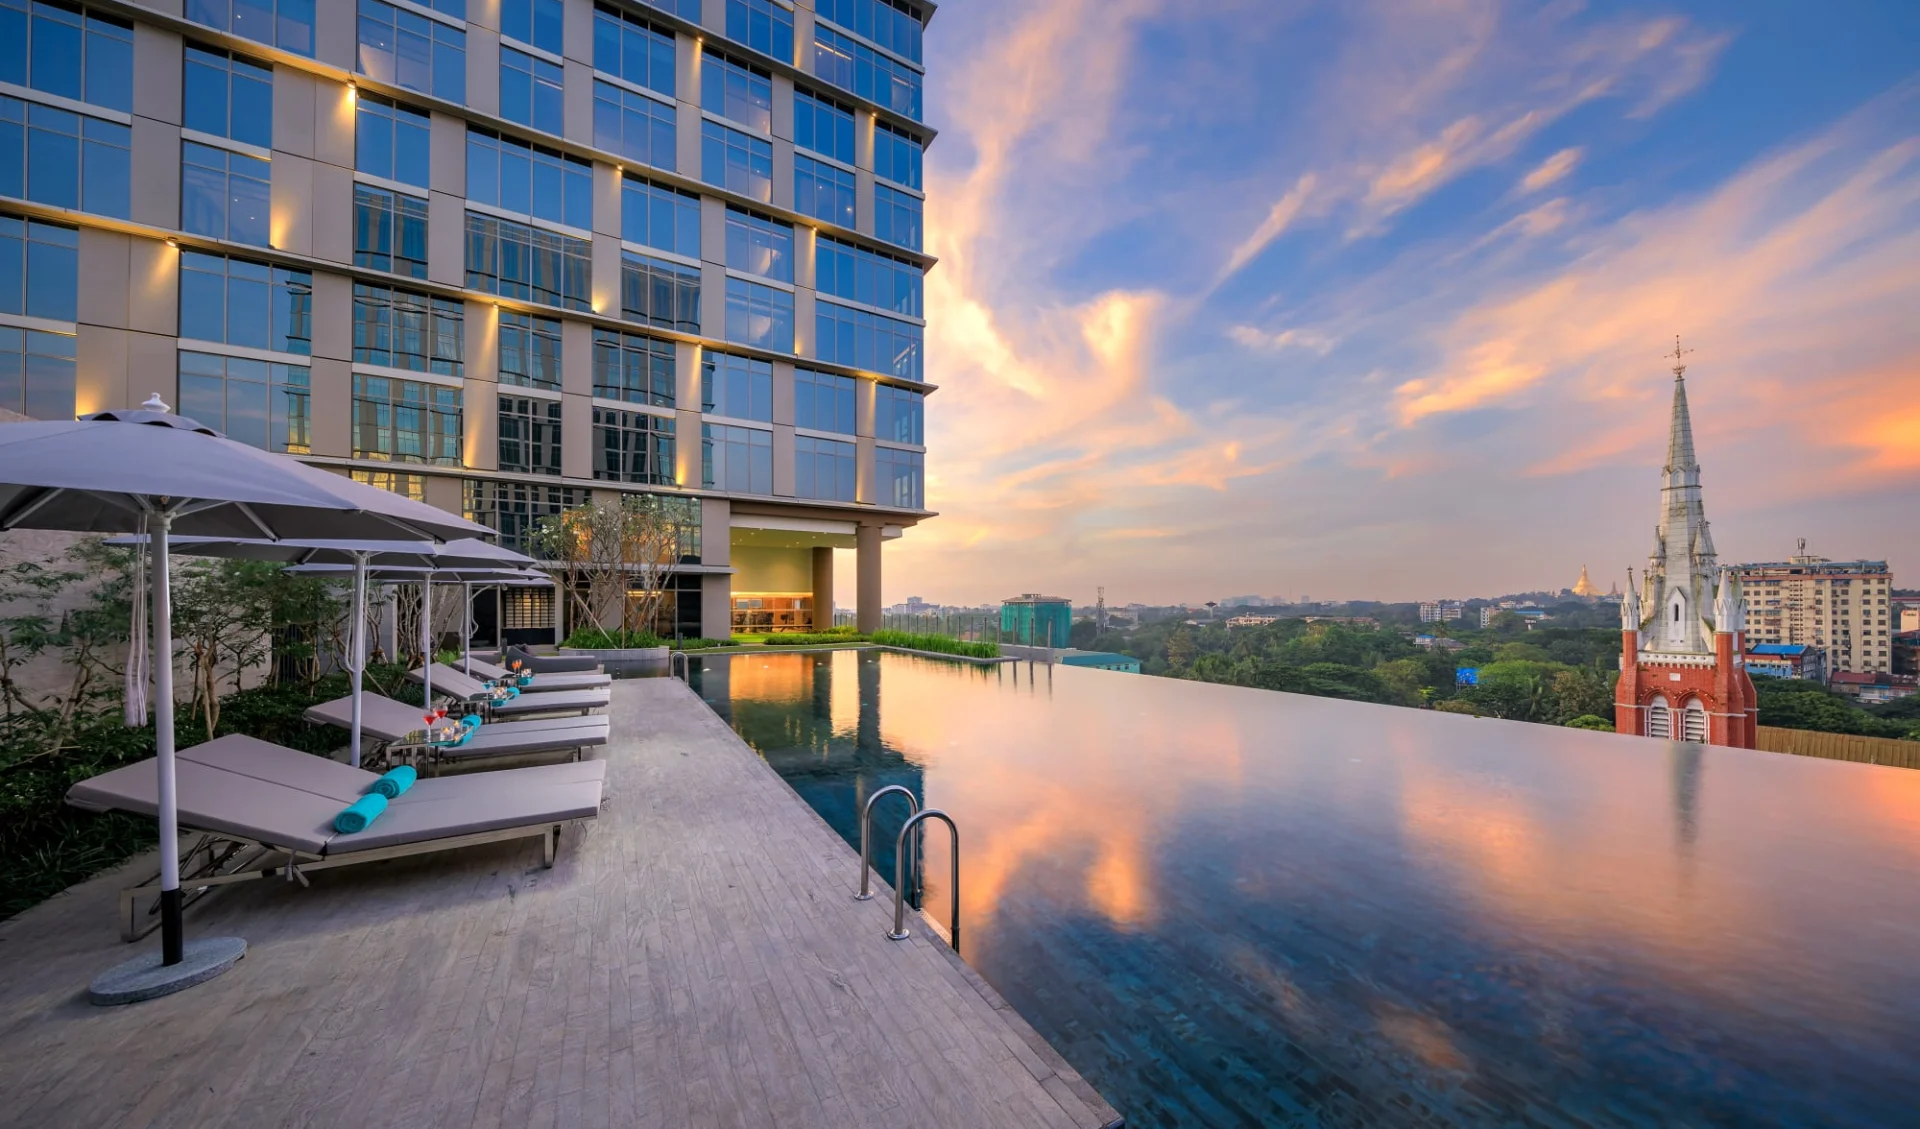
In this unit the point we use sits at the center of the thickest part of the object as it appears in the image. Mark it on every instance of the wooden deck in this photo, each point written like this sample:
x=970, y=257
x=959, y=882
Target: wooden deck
x=694, y=959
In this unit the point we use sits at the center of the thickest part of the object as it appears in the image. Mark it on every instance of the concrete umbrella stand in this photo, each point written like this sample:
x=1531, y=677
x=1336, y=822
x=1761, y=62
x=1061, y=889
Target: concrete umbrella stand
x=150, y=470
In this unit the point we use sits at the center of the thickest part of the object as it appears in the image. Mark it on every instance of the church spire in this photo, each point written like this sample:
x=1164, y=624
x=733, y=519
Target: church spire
x=1683, y=566
x=1680, y=461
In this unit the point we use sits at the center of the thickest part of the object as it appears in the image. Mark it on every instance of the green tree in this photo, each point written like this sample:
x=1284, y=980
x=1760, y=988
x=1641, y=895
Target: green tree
x=1581, y=692
x=1181, y=648
x=1590, y=721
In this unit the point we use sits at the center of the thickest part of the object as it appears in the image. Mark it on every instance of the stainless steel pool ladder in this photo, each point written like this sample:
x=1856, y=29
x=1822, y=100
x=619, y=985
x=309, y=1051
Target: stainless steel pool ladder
x=902, y=854
x=686, y=664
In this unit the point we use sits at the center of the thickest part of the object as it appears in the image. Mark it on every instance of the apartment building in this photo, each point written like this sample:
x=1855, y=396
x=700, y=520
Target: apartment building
x=1841, y=607
x=500, y=255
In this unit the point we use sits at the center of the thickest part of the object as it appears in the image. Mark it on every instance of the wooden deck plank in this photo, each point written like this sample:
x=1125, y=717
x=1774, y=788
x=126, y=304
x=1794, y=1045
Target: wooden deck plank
x=695, y=958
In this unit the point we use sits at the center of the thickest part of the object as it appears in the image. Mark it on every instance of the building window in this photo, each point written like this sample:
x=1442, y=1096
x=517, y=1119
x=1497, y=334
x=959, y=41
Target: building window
x=224, y=194
x=736, y=459
x=659, y=293
x=661, y=217
x=851, y=65
x=823, y=125
x=899, y=414
x=633, y=50
x=1659, y=719
x=823, y=401
x=540, y=23
x=764, y=25
x=902, y=477
x=409, y=50
x=759, y=245
x=259, y=403
x=391, y=141
x=897, y=155
x=871, y=278
x=389, y=231
x=37, y=373
x=737, y=91
x=632, y=447
x=405, y=421
x=633, y=125
x=736, y=387
x=39, y=269
x=403, y=329
x=56, y=49
x=286, y=24
x=896, y=217
x=823, y=191
x=529, y=435
x=512, y=508
x=239, y=302
x=823, y=469
x=736, y=161
x=529, y=351
x=633, y=368
x=516, y=261
x=529, y=179
x=759, y=315
x=394, y=482
x=688, y=10
x=892, y=24
x=867, y=341
x=227, y=96
x=532, y=91
x=64, y=159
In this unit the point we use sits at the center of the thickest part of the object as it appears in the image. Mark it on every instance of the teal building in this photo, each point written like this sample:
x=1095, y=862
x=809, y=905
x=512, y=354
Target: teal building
x=1033, y=620
x=1103, y=660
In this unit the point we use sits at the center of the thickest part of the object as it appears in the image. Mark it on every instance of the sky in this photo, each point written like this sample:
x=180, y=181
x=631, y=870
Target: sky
x=1360, y=300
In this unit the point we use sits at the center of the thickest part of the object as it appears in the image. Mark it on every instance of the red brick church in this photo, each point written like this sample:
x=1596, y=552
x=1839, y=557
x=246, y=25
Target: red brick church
x=1683, y=674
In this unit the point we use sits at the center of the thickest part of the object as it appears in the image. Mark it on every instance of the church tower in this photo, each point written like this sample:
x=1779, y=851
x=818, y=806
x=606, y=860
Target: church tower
x=1683, y=672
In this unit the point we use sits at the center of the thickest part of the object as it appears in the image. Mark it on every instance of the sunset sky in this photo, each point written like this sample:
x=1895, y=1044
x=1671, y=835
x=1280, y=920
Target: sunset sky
x=1369, y=300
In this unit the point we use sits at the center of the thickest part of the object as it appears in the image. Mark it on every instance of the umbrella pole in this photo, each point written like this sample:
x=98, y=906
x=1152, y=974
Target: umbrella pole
x=466, y=628
x=357, y=645
x=172, y=927
x=426, y=639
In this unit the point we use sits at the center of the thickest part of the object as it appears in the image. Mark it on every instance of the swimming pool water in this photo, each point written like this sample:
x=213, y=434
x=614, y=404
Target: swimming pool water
x=1234, y=907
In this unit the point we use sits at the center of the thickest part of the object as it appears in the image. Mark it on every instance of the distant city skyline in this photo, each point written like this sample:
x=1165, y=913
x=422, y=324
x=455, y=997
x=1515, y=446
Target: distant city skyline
x=1369, y=300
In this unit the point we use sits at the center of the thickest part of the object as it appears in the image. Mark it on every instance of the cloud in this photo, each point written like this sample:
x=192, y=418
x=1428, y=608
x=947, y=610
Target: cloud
x=1284, y=211
x=1414, y=174
x=1552, y=170
x=1275, y=342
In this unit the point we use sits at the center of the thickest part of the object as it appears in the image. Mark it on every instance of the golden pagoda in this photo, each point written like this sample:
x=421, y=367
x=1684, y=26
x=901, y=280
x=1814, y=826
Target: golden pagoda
x=1585, y=586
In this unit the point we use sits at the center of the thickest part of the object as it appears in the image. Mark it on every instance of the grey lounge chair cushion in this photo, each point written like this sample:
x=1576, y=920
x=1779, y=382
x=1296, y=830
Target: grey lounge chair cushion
x=450, y=681
x=389, y=720
x=213, y=799
x=556, y=664
x=410, y=820
x=491, y=741
x=544, y=682
x=277, y=764
x=485, y=783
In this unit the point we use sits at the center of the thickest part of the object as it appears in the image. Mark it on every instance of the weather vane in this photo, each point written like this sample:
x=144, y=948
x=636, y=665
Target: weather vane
x=1679, y=365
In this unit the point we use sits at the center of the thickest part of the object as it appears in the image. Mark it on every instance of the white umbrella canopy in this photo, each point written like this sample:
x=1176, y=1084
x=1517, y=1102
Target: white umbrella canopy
x=345, y=556
x=148, y=470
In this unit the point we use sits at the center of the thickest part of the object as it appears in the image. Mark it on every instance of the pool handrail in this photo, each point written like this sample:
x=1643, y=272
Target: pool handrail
x=686, y=668
x=899, y=898
x=866, y=835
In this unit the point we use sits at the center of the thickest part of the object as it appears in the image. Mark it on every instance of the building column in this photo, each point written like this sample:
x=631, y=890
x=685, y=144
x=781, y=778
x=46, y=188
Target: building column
x=822, y=588
x=867, y=577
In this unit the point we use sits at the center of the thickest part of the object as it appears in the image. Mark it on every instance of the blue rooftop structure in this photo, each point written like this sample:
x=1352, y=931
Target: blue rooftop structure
x=1103, y=660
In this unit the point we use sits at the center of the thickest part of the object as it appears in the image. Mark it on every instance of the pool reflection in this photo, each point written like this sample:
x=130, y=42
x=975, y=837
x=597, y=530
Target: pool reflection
x=1234, y=907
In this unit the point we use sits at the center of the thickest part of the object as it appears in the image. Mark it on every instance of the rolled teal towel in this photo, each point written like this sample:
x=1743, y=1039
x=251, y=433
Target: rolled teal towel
x=395, y=782
x=471, y=721
x=360, y=813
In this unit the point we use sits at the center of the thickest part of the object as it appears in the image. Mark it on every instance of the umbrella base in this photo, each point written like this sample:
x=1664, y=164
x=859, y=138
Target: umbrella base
x=145, y=978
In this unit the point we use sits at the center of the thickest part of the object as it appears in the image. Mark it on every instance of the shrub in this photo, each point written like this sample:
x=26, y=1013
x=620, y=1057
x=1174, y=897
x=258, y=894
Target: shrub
x=1591, y=721
x=701, y=644
x=939, y=644
x=600, y=639
x=814, y=639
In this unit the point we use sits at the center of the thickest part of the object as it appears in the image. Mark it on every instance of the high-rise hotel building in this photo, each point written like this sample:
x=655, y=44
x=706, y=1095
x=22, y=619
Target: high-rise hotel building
x=502, y=255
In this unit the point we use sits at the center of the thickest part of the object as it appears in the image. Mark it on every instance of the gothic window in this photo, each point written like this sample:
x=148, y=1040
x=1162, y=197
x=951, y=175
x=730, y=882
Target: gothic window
x=1659, y=719
x=1694, y=722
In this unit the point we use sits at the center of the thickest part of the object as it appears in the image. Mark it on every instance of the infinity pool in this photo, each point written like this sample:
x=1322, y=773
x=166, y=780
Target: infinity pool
x=1236, y=907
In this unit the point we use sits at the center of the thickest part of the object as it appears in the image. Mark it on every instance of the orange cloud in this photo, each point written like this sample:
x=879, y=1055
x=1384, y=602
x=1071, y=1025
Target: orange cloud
x=1552, y=170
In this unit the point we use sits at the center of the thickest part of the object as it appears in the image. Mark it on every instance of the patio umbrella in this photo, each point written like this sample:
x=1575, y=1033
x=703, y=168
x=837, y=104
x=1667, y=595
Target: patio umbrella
x=358, y=556
x=148, y=470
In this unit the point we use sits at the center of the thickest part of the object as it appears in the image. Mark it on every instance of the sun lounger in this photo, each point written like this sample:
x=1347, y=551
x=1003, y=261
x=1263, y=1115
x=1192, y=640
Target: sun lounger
x=264, y=810
x=460, y=687
x=547, y=664
x=390, y=723
x=542, y=683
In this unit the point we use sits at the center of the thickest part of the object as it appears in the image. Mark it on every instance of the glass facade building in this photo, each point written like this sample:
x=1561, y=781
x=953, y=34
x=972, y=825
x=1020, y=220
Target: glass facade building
x=664, y=248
